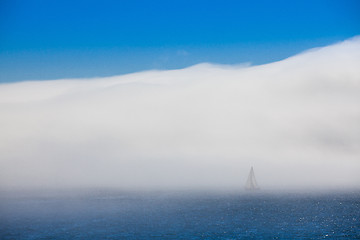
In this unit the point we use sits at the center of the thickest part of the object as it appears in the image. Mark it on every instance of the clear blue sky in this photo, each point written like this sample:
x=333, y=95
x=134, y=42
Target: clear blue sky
x=65, y=39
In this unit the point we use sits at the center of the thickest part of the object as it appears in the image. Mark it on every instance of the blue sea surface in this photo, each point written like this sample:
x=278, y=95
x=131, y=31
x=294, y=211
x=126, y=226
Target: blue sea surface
x=119, y=215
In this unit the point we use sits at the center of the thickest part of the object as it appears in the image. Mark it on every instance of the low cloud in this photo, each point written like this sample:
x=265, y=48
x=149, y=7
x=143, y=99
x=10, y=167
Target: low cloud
x=296, y=121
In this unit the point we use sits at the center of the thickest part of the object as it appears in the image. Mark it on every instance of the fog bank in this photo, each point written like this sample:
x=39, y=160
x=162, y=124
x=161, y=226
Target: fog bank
x=296, y=121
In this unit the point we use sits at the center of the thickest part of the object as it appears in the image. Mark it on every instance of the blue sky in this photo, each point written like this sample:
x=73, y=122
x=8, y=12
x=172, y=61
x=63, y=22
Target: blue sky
x=70, y=39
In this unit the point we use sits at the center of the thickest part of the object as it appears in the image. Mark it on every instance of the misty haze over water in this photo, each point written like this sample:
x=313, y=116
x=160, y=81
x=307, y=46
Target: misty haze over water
x=170, y=152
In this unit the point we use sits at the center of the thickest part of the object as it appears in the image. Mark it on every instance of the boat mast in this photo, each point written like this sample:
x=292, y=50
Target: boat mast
x=251, y=183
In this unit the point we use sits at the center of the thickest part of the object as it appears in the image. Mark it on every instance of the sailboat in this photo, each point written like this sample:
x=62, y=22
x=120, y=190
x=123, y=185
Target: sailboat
x=251, y=183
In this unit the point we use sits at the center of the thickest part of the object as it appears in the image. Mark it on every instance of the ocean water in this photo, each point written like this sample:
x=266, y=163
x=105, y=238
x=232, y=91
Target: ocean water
x=118, y=215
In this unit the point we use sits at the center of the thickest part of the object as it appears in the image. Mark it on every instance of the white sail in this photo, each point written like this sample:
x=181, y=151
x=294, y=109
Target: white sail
x=251, y=183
